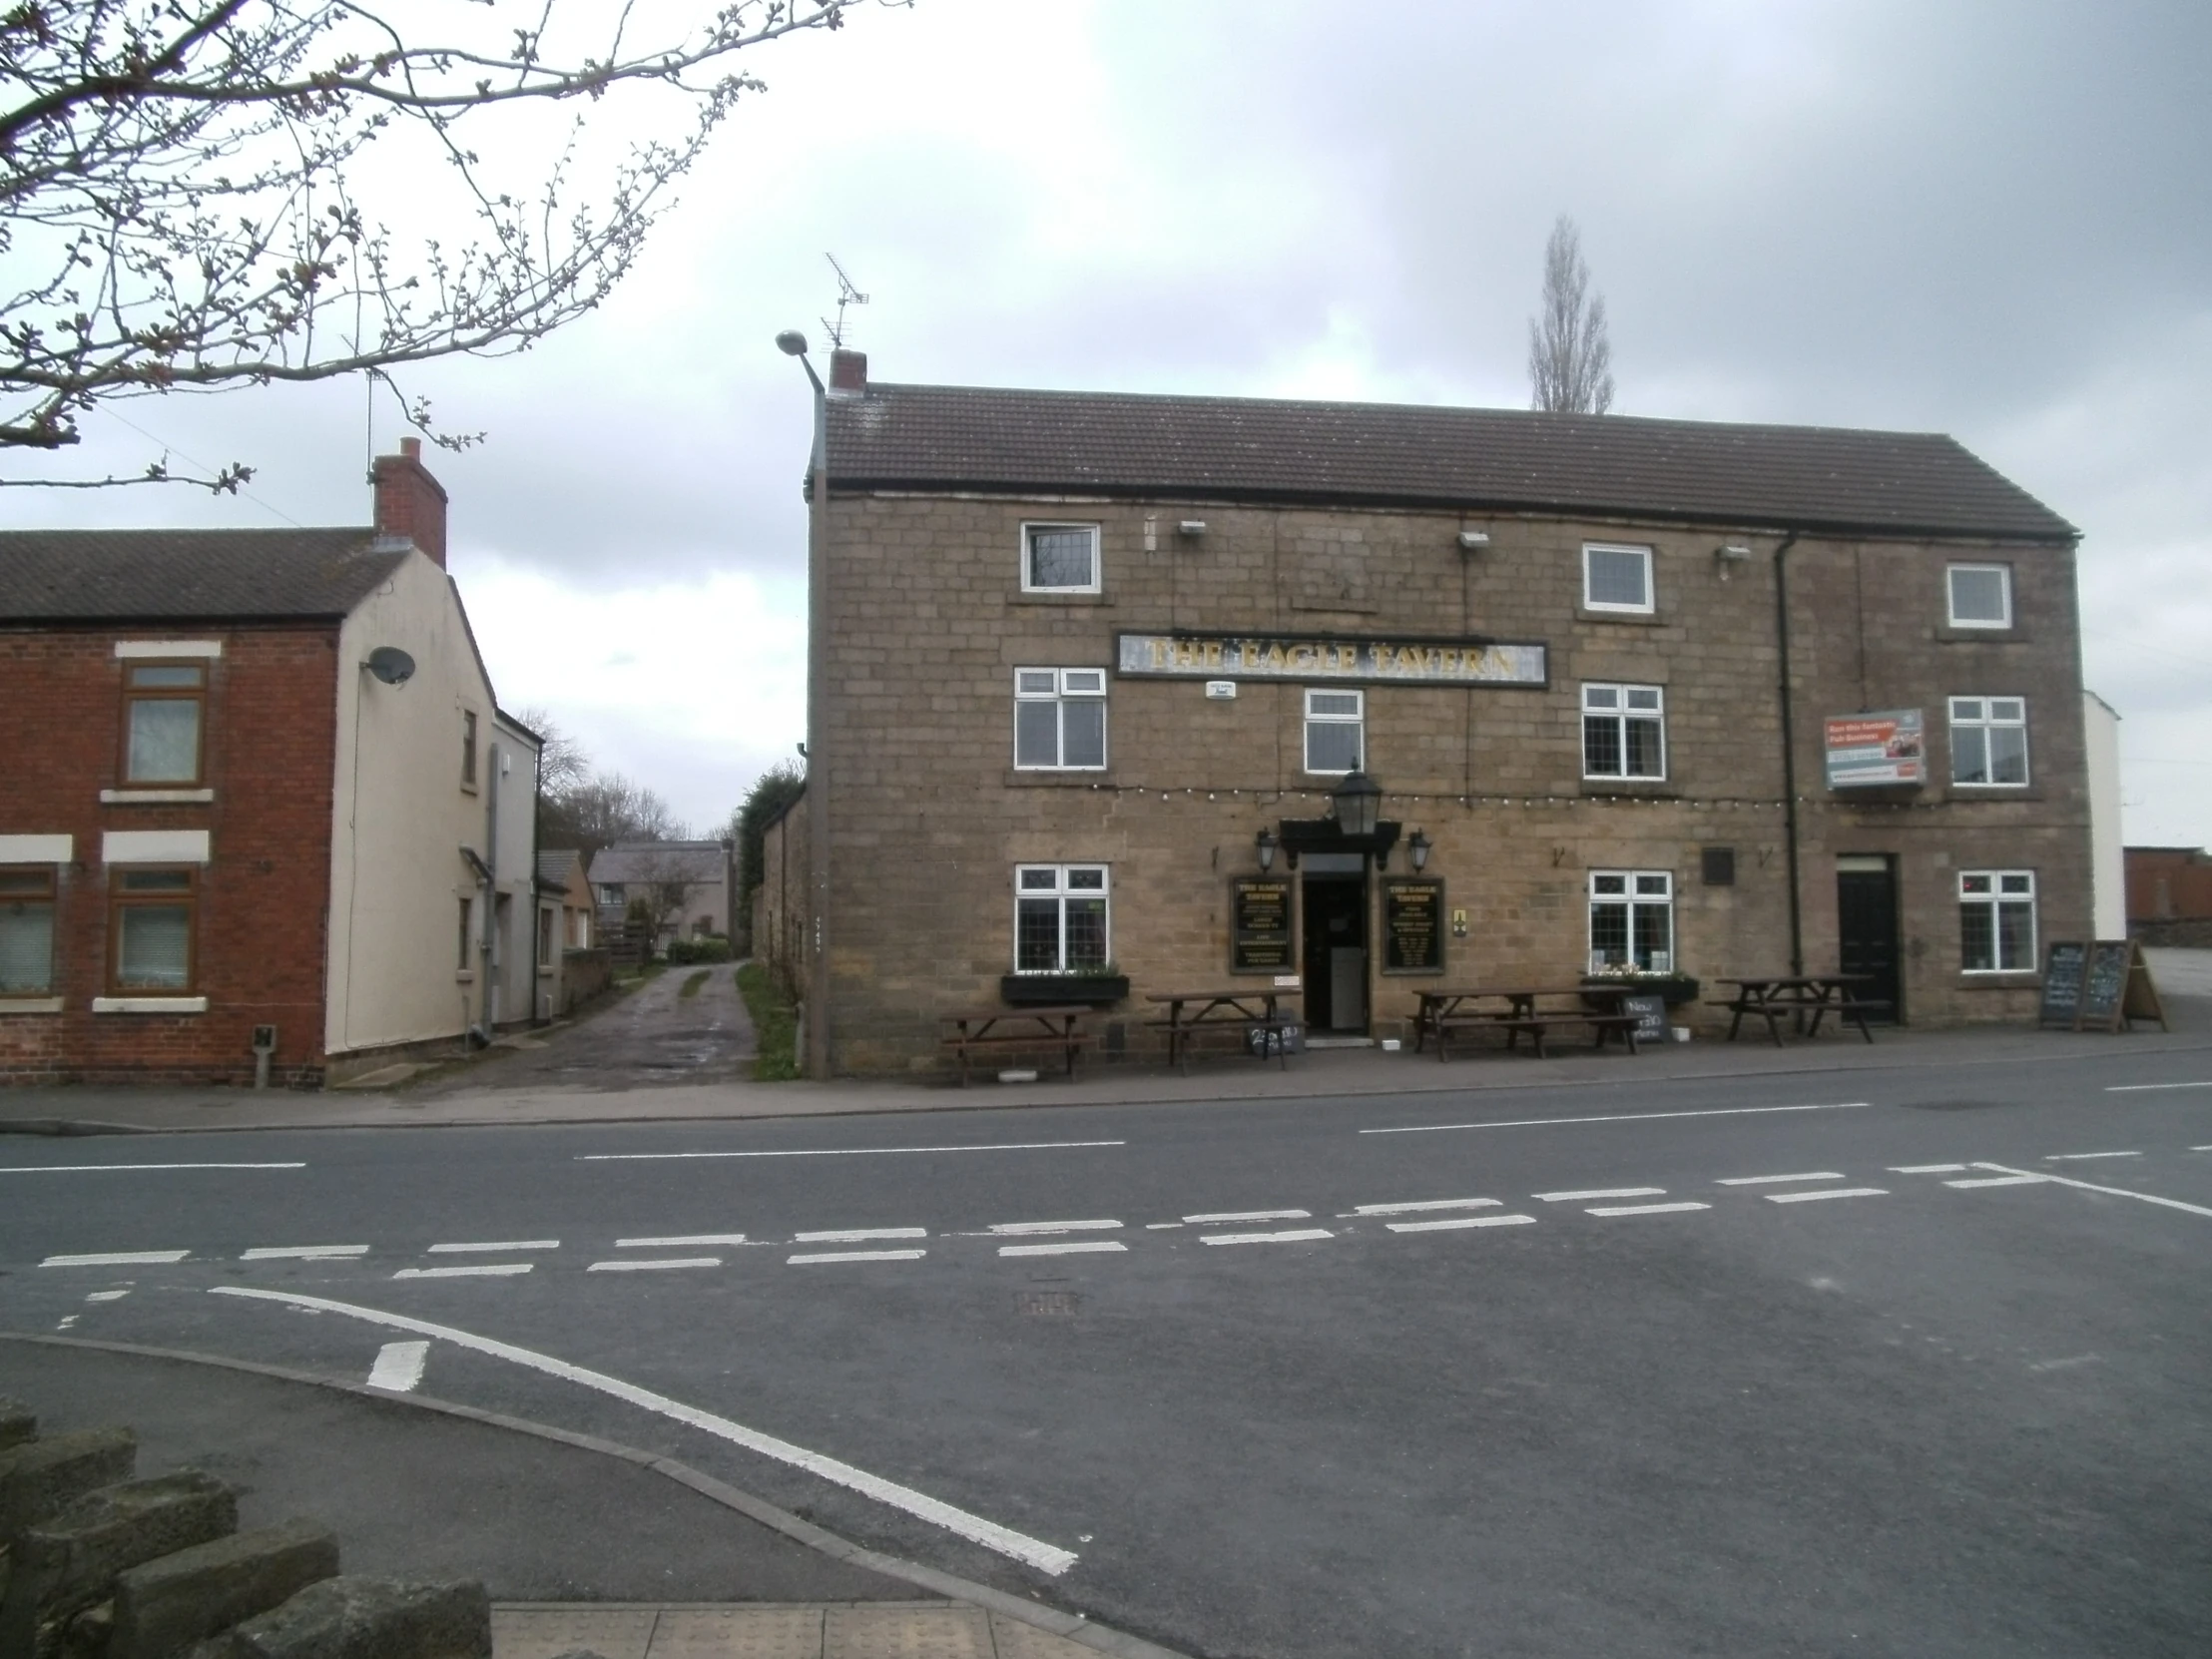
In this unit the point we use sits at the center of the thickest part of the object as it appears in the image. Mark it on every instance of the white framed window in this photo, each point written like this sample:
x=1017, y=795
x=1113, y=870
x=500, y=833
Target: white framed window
x=26, y=932
x=1060, y=918
x=1059, y=558
x=1632, y=920
x=1988, y=740
x=1981, y=595
x=1624, y=731
x=1059, y=719
x=1997, y=921
x=1336, y=731
x=1616, y=578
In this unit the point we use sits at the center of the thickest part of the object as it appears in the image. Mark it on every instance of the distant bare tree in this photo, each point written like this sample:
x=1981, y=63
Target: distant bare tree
x=562, y=762
x=606, y=808
x=1571, y=361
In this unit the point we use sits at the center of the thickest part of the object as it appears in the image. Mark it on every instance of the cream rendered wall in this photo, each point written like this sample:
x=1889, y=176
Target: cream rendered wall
x=401, y=817
x=516, y=866
x=2100, y=730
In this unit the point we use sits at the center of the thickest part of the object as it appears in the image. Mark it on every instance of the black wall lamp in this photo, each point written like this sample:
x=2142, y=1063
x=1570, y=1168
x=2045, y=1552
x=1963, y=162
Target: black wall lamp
x=1417, y=846
x=1358, y=804
x=1265, y=844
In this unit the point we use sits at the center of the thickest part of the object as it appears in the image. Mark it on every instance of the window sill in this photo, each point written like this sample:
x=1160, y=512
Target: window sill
x=1097, y=600
x=547, y=970
x=1026, y=778
x=155, y=798
x=1950, y=634
x=148, y=1004
x=2001, y=979
x=1995, y=792
x=1634, y=618
x=28, y=1005
x=466, y=976
x=1640, y=789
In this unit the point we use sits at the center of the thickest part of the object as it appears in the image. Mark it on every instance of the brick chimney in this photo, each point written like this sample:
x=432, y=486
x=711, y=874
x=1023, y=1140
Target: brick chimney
x=848, y=372
x=410, y=502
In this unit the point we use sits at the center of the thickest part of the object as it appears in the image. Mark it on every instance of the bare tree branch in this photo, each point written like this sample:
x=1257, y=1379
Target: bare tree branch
x=1571, y=359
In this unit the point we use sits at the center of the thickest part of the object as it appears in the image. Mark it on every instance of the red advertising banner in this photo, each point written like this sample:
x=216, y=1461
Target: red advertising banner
x=1875, y=749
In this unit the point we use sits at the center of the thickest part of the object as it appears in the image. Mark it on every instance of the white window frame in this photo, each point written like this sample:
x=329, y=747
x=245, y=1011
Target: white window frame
x=1651, y=599
x=1981, y=714
x=1061, y=890
x=1620, y=713
x=1992, y=889
x=46, y=895
x=1077, y=684
x=1639, y=890
x=1357, y=719
x=2004, y=573
x=1029, y=531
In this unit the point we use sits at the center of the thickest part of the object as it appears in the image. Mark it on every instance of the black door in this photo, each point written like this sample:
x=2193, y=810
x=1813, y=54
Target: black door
x=1866, y=931
x=1335, y=924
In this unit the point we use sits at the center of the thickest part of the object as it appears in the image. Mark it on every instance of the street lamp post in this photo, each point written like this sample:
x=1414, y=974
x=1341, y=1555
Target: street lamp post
x=816, y=1013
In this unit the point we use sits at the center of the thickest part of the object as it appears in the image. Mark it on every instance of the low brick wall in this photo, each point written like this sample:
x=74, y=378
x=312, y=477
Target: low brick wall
x=584, y=976
x=2181, y=933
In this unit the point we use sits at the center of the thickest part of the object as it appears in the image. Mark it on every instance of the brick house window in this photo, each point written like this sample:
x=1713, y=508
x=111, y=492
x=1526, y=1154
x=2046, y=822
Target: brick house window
x=25, y=932
x=1632, y=918
x=1059, y=558
x=1988, y=740
x=1624, y=731
x=1980, y=596
x=1060, y=918
x=150, y=915
x=1997, y=921
x=468, y=749
x=163, y=709
x=1616, y=578
x=1336, y=730
x=1060, y=719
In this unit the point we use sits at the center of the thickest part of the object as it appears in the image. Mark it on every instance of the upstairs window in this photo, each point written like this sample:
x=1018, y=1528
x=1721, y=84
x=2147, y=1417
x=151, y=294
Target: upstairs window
x=1997, y=921
x=464, y=943
x=1059, y=719
x=1336, y=731
x=151, y=914
x=1632, y=920
x=1060, y=921
x=1988, y=740
x=1059, y=558
x=1980, y=596
x=468, y=749
x=25, y=932
x=1616, y=578
x=164, y=706
x=1624, y=731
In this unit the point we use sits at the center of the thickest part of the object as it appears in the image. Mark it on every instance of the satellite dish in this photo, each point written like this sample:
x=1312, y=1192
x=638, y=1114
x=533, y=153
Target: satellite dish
x=390, y=665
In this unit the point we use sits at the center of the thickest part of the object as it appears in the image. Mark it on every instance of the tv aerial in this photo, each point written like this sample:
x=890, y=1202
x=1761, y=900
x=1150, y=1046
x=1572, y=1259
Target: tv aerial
x=847, y=294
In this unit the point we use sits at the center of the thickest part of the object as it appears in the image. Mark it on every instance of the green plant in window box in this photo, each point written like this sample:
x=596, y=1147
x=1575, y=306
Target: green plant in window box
x=1675, y=988
x=1097, y=986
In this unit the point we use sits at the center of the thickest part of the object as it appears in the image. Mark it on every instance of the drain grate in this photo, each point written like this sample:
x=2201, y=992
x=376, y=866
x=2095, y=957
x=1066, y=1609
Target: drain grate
x=1047, y=1301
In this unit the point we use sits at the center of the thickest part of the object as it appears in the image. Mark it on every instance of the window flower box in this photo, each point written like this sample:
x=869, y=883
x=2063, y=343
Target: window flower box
x=1040, y=989
x=1675, y=988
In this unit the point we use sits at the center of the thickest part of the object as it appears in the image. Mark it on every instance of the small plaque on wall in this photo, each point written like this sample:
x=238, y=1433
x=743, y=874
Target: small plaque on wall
x=1412, y=924
x=1260, y=924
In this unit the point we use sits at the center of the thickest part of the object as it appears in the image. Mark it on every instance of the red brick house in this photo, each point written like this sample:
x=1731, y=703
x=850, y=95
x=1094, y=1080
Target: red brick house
x=2169, y=895
x=259, y=793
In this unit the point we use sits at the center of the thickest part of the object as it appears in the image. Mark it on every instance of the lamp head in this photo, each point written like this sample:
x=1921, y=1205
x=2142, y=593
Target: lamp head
x=792, y=343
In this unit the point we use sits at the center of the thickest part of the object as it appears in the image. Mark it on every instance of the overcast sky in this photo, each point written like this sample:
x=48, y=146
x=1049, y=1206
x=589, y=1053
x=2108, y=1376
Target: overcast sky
x=1987, y=219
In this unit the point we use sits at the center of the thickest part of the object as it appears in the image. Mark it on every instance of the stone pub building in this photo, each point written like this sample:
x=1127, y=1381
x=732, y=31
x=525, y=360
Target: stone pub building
x=1102, y=687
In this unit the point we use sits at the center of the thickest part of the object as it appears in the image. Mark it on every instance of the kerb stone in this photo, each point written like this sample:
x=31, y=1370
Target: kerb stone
x=39, y=1478
x=164, y=1606
x=366, y=1618
x=71, y=1561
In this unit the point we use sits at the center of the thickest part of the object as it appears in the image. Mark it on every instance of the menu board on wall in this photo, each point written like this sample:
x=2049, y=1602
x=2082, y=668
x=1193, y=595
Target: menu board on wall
x=1412, y=924
x=1260, y=924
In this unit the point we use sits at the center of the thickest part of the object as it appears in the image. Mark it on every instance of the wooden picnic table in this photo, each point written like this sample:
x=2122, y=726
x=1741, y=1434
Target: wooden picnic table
x=1247, y=1004
x=1771, y=996
x=1054, y=1026
x=1444, y=1010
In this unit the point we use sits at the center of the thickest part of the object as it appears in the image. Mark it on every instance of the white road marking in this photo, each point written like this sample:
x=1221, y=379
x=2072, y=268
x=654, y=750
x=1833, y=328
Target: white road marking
x=2066, y=1364
x=858, y=1235
x=1083, y=1247
x=1453, y=1222
x=2201, y=1149
x=1598, y=1192
x=68, y=1319
x=646, y=1263
x=1010, y=1227
x=1043, y=1557
x=312, y=1253
x=2116, y=1192
x=2138, y=1088
x=837, y=1151
x=90, y=1169
x=1622, y=1117
x=2084, y=1157
x=117, y=1258
x=1925, y=1169
x=680, y=1240
x=1645, y=1209
x=1171, y=1226
x=1248, y=1214
x=107, y=1296
x=1425, y=1204
x=1298, y=1237
x=855, y=1256
x=1826, y=1192
x=1765, y=1180
x=398, y=1367
x=489, y=1269
x=511, y=1243
x=2021, y=1180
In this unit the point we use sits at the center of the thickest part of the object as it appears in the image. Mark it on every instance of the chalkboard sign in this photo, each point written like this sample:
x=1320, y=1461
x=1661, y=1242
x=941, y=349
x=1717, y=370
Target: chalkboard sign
x=1650, y=1011
x=1260, y=924
x=1412, y=925
x=2105, y=984
x=2062, y=985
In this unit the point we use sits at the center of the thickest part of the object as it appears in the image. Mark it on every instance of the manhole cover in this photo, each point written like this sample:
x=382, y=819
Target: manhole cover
x=1047, y=1302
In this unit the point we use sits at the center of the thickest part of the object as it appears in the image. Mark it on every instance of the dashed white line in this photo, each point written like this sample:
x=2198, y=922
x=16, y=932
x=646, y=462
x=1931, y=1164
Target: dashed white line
x=107, y=1296
x=836, y=1151
x=117, y=1258
x=95, y=1169
x=1645, y=1209
x=1826, y=1192
x=1621, y=1117
x=680, y=1240
x=2084, y=1157
x=1766, y=1180
x=308, y=1253
x=1079, y=1247
x=1598, y=1192
x=2115, y=1192
x=1453, y=1223
x=648, y=1264
x=1228, y=1216
x=2138, y=1088
x=2201, y=1149
x=1925, y=1169
x=486, y=1270
x=855, y=1256
x=861, y=1235
x=2002, y=1181
x=1425, y=1204
x=398, y=1368
x=1017, y=1227
x=511, y=1243
x=1299, y=1235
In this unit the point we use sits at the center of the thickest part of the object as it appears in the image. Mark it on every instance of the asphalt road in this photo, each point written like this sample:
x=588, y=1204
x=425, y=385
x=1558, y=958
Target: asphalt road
x=1677, y=1410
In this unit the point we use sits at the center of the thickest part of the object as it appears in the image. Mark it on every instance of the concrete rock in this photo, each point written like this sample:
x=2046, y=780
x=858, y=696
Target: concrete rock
x=40, y=1477
x=164, y=1606
x=18, y=1422
x=366, y=1618
x=70, y=1561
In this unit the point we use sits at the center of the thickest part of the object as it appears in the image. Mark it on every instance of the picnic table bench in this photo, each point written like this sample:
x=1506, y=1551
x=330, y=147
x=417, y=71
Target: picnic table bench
x=1049, y=1027
x=1799, y=995
x=1445, y=1014
x=1251, y=1007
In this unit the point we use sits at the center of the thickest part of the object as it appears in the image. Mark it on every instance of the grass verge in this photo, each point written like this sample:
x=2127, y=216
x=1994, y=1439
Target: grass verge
x=775, y=1026
x=693, y=982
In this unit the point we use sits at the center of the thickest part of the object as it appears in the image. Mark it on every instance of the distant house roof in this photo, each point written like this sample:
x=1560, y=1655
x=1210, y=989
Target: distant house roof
x=1813, y=478
x=189, y=575
x=554, y=869
x=687, y=862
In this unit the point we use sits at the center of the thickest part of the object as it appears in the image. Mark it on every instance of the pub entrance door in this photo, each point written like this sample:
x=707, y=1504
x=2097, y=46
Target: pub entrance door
x=1332, y=960
x=1866, y=928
